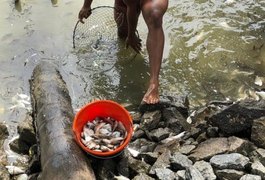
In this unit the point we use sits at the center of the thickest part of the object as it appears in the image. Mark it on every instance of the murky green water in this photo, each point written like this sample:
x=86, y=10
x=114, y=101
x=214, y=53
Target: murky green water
x=214, y=51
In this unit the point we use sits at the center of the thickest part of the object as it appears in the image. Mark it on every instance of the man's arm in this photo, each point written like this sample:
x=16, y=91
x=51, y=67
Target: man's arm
x=85, y=11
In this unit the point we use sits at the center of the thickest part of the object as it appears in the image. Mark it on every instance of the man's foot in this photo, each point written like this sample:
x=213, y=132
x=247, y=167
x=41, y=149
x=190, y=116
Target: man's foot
x=152, y=95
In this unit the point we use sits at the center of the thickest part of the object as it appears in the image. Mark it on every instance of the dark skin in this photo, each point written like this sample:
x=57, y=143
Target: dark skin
x=153, y=12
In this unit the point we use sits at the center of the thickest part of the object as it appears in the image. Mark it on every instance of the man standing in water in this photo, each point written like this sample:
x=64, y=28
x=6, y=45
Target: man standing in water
x=153, y=11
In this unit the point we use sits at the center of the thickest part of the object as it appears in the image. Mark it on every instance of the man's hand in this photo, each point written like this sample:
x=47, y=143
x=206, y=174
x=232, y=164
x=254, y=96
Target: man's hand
x=134, y=42
x=84, y=13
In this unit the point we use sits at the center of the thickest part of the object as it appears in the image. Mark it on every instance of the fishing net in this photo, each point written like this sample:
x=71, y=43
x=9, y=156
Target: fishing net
x=97, y=40
x=99, y=29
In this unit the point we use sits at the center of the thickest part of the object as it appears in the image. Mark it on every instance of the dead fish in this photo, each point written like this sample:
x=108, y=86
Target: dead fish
x=98, y=126
x=115, y=141
x=179, y=136
x=121, y=177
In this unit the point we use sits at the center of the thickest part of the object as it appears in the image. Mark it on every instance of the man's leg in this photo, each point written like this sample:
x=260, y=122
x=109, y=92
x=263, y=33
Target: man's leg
x=153, y=11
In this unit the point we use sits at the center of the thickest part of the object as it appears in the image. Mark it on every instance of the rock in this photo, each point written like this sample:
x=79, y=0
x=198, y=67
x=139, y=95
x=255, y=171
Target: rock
x=175, y=120
x=172, y=146
x=136, y=117
x=229, y=174
x=209, y=148
x=202, y=137
x=212, y=132
x=164, y=173
x=123, y=163
x=230, y=161
x=104, y=168
x=138, y=134
x=250, y=177
x=186, y=149
x=159, y=134
x=258, y=132
x=150, y=120
x=163, y=161
x=238, y=117
x=195, y=132
x=143, y=145
x=4, y=175
x=261, y=155
x=181, y=174
x=258, y=169
x=26, y=131
x=22, y=177
x=3, y=133
x=19, y=147
x=239, y=145
x=149, y=157
x=142, y=176
x=138, y=166
x=205, y=169
x=214, y=146
x=179, y=161
x=193, y=174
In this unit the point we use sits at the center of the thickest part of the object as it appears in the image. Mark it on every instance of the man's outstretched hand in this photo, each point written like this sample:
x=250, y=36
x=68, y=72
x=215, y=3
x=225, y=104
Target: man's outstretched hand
x=134, y=42
x=84, y=13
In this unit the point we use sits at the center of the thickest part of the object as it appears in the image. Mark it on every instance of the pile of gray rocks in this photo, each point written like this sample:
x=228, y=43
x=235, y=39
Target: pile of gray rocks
x=222, y=140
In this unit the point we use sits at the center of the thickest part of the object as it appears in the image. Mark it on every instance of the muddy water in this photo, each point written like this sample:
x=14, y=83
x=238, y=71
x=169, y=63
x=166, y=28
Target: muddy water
x=214, y=51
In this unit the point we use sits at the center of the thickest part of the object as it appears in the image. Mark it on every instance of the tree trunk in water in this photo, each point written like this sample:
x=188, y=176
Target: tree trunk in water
x=61, y=158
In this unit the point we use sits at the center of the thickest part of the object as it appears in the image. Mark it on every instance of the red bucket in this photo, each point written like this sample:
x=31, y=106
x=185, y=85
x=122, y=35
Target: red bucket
x=102, y=108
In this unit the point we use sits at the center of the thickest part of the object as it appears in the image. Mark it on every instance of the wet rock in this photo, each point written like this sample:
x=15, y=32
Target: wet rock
x=175, y=120
x=3, y=133
x=238, y=117
x=261, y=155
x=138, y=134
x=205, y=169
x=143, y=145
x=195, y=132
x=172, y=146
x=159, y=134
x=22, y=177
x=138, y=166
x=202, y=137
x=193, y=174
x=150, y=120
x=258, y=132
x=136, y=117
x=239, y=145
x=19, y=147
x=250, y=177
x=123, y=163
x=104, y=168
x=4, y=175
x=149, y=157
x=142, y=176
x=209, y=148
x=229, y=174
x=214, y=146
x=258, y=169
x=179, y=161
x=181, y=174
x=26, y=131
x=162, y=161
x=230, y=161
x=212, y=132
x=164, y=174
x=186, y=149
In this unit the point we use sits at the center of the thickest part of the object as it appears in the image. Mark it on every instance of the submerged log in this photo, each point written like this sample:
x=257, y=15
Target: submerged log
x=61, y=158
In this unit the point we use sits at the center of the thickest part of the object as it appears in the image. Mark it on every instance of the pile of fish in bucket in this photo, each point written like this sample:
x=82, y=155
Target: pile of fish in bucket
x=103, y=134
